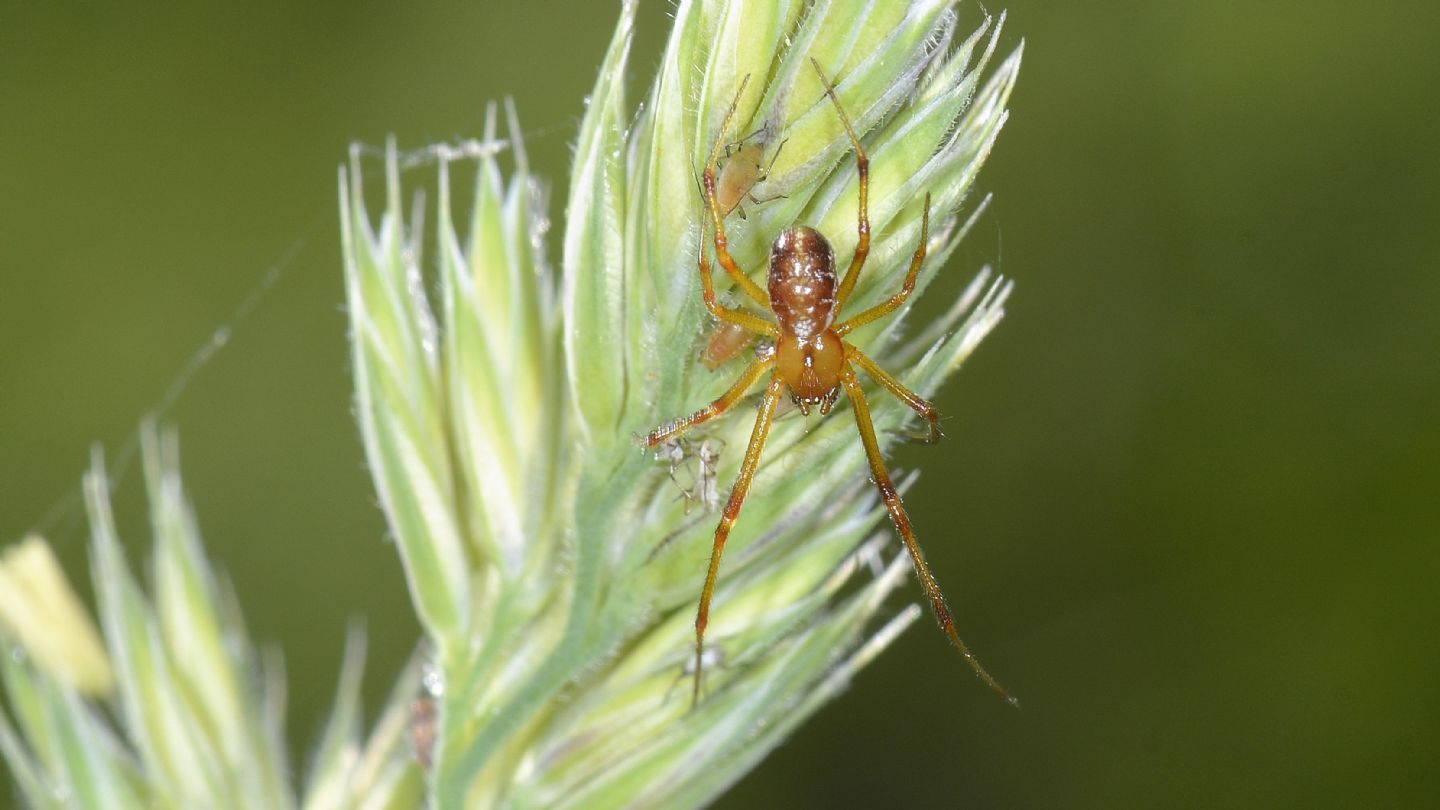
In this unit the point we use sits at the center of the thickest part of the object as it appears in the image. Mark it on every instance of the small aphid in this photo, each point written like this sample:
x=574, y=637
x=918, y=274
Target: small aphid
x=811, y=362
x=423, y=727
x=744, y=168
x=424, y=730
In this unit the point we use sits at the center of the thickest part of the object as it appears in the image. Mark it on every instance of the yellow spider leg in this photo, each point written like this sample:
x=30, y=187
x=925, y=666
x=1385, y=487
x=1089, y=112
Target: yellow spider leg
x=722, y=251
x=725, y=402
x=746, y=320
x=732, y=511
x=881, y=310
x=921, y=406
x=907, y=532
x=862, y=163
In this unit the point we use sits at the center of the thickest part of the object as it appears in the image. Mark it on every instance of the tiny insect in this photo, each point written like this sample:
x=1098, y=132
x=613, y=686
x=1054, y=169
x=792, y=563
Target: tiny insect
x=706, y=490
x=423, y=730
x=714, y=657
x=811, y=362
x=423, y=727
x=692, y=470
x=744, y=168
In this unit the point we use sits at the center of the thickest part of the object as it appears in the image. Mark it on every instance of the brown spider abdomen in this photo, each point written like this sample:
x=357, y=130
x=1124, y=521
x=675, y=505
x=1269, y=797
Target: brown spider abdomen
x=802, y=282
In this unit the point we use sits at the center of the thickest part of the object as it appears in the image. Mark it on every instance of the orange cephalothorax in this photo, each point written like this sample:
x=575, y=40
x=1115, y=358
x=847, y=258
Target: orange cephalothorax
x=802, y=282
x=811, y=369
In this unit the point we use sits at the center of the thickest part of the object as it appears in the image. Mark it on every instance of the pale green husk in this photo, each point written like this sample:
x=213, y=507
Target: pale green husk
x=554, y=567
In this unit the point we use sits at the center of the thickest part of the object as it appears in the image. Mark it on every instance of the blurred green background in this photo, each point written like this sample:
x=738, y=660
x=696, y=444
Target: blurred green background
x=1187, y=510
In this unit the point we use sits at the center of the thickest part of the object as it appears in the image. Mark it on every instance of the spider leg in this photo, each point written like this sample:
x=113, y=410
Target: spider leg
x=907, y=532
x=921, y=406
x=862, y=163
x=725, y=402
x=727, y=517
x=894, y=302
x=722, y=251
x=746, y=320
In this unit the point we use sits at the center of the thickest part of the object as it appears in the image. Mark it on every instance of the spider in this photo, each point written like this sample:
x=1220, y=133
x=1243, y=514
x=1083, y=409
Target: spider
x=811, y=361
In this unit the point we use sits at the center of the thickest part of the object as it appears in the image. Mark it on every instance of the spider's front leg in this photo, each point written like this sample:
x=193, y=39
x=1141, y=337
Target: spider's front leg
x=746, y=285
x=748, y=321
x=723, y=403
x=862, y=167
x=908, y=286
